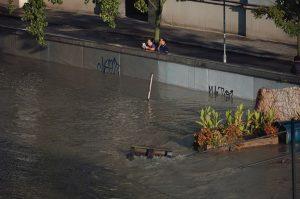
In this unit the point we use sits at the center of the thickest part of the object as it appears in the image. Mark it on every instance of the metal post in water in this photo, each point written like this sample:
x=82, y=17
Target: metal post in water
x=150, y=86
x=224, y=27
x=293, y=157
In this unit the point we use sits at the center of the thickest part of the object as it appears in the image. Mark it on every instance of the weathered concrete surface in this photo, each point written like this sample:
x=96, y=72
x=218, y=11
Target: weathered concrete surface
x=285, y=102
x=80, y=43
x=181, y=41
x=258, y=143
x=197, y=74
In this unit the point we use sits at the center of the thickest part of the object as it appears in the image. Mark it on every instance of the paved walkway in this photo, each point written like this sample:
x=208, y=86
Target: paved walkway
x=131, y=33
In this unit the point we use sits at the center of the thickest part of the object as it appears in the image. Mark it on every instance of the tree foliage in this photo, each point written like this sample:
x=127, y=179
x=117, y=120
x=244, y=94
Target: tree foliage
x=141, y=5
x=285, y=14
x=35, y=16
x=11, y=6
x=109, y=10
x=157, y=5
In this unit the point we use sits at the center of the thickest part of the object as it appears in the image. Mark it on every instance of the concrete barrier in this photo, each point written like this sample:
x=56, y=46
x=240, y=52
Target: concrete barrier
x=197, y=74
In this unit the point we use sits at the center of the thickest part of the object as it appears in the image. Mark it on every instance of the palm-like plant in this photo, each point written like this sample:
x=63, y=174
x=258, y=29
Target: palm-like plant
x=209, y=118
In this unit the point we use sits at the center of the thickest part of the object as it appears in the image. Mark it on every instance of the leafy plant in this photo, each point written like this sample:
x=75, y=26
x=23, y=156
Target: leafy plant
x=269, y=117
x=203, y=139
x=249, y=127
x=141, y=5
x=270, y=129
x=235, y=128
x=209, y=118
x=36, y=19
x=210, y=134
x=206, y=138
x=34, y=14
x=234, y=125
x=286, y=15
x=109, y=10
x=233, y=134
x=238, y=117
x=217, y=139
x=229, y=119
x=254, y=122
x=11, y=6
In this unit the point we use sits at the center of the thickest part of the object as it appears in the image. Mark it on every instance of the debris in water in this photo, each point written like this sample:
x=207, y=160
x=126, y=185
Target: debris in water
x=149, y=152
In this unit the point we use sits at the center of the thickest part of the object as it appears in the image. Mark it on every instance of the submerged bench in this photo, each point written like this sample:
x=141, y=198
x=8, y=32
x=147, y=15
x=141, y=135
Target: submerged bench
x=148, y=152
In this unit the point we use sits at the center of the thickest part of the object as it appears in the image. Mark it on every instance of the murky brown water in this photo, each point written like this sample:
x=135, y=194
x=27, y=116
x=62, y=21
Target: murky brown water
x=64, y=133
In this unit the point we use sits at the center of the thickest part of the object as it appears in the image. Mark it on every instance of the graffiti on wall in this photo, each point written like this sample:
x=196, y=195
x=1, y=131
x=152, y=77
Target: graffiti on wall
x=109, y=66
x=216, y=91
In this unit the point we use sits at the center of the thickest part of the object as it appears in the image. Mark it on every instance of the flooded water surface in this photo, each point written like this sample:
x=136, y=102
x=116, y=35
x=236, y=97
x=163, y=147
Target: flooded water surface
x=65, y=132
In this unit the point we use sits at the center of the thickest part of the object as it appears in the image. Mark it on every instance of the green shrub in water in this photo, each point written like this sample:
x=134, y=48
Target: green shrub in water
x=236, y=126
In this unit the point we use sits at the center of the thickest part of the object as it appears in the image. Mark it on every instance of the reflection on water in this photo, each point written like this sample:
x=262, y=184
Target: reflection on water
x=65, y=132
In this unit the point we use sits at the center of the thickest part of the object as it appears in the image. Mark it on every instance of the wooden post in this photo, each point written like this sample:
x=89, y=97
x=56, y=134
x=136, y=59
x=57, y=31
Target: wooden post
x=150, y=87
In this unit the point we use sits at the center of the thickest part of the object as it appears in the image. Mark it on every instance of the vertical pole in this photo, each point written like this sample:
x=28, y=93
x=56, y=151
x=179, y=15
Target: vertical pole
x=150, y=87
x=293, y=157
x=224, y=27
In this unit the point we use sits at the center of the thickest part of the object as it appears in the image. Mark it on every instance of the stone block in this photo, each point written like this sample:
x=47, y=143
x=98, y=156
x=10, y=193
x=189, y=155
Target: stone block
x=285, y=102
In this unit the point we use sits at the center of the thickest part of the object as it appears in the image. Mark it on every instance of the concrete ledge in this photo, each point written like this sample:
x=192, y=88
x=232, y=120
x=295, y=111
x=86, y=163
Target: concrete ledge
x=245, y=70
x=198, y=74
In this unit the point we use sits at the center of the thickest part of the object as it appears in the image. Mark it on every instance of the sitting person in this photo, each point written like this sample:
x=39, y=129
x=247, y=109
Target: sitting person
x=162, y=47
x=150, y=46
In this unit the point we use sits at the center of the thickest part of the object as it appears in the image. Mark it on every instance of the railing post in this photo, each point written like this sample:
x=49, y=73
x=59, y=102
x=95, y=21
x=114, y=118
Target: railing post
x=293, y=157
x=224, y=30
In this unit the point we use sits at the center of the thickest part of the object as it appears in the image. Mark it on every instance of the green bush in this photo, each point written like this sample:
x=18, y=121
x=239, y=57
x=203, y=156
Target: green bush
x=209, y=118
x=215, y=132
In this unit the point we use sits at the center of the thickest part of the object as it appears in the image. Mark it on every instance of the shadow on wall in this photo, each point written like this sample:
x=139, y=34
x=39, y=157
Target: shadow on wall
x=132, y=12
x=242, y=17
x=97, y=9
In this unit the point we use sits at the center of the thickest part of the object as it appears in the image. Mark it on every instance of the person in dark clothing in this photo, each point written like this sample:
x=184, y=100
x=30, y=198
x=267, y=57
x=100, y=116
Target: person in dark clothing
x=162, y=46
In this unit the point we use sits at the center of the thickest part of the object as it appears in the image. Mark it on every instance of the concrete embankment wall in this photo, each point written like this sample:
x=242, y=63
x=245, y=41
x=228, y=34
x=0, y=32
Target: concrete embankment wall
x=170, y=69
